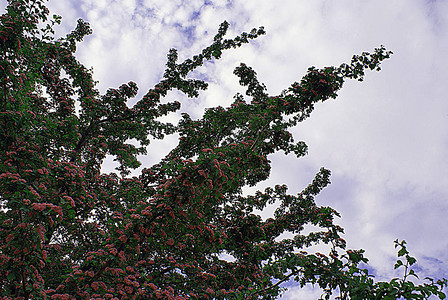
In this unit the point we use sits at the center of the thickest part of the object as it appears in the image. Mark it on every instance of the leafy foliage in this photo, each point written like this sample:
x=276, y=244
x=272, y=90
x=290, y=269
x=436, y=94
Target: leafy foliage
x=68, y=231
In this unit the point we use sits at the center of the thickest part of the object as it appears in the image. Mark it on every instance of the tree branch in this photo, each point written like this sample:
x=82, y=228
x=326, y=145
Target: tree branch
x=258, y=136
x=278, y=283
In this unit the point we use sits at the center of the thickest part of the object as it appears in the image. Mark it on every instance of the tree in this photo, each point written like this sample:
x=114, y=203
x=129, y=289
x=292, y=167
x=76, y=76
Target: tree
x=69, y=231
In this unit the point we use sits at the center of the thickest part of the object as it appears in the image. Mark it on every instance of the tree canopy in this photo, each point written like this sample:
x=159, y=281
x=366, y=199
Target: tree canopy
x=70, y=231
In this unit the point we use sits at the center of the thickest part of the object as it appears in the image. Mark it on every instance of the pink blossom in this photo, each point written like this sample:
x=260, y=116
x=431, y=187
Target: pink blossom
x=38, y=206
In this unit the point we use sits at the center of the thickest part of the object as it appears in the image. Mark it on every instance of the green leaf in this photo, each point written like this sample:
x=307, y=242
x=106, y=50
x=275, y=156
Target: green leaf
x=412, y=273
x=411, y=260
x=398, y=264
x=402, y=251
x=11, y=276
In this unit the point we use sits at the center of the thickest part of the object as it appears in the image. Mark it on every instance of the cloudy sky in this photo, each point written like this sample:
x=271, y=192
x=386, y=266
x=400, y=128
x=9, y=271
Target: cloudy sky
x=385, y=139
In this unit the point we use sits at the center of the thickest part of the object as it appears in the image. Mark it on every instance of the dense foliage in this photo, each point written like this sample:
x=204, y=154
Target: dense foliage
x=69, y=231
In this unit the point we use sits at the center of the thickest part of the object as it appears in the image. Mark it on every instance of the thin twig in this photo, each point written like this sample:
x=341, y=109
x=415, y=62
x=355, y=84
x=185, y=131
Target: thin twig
x=278, y=283
x=258, y=136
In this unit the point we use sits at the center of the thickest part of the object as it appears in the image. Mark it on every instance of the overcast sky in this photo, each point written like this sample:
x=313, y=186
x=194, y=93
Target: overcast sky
x=385, y=139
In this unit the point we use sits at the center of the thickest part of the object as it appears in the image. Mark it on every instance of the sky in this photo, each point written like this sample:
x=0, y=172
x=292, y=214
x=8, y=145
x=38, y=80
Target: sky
x=384, y=139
